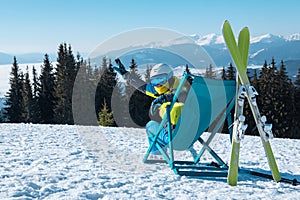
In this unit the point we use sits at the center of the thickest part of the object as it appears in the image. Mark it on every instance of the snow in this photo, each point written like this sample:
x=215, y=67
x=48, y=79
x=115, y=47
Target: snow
x=214, y=39
x=256, y=53
x=84, y=162
x=254, y=67
x=211, y=39
x=293, y=37
x=267, y=38
x=194, y=37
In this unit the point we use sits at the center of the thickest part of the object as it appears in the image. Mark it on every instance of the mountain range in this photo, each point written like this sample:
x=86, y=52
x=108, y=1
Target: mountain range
x=264, y=47
x=6, y=58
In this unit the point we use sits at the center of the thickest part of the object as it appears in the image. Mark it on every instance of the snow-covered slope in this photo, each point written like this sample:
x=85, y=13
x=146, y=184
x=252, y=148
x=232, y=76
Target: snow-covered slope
x=81, y=162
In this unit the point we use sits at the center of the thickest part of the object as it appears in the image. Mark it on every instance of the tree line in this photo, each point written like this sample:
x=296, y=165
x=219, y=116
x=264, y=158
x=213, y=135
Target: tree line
x=45, y=98
x=48, y=98
x=278, y=99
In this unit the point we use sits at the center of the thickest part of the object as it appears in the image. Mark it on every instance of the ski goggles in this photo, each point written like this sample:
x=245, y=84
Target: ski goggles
x=159, y=80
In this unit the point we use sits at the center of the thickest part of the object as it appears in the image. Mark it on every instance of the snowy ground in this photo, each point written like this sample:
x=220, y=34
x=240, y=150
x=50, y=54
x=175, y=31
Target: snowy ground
x=75, y=162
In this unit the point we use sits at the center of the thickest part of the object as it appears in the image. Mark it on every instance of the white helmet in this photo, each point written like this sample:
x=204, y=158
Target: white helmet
x=160, y=69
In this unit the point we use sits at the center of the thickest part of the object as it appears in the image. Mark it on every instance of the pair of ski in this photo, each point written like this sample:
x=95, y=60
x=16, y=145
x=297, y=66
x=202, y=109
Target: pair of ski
x=239, y=54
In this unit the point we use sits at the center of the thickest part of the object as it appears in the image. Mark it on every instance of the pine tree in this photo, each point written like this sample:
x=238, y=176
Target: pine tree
x=27, y=98
x=105, y=85
x=96, y=73
x=70, y=76
x=275, y=94
x=265, y=98
x=2, y=117
x=14, y=102
x=230, y=75
x=138, y=102
x=36, y=111
x=60, y=88
x=223, y=77
x=24, y=102
x=105, y=116
x=209, y=73
x=275, y=100
x=120, y=106
x=66, y=70
x=129, y=105
x=46, y=98
x=297, y=107
x=225, y=128
x=247, y=110
x=147, y=74
x=262, y=86
x=283, y=91
x=254, y=81
x=83, y=101
x=111, y=78
x=189, y=79
x=187, y=69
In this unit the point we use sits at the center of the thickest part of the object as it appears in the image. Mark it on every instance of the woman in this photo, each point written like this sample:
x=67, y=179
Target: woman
x=162, y=87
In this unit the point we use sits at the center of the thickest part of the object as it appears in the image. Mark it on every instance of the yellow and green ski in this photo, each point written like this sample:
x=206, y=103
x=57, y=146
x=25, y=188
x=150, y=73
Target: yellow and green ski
x=239, y=55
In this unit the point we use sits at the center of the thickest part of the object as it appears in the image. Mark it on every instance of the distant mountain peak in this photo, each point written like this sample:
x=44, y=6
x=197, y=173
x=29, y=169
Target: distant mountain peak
x=194, y=37
x=215, y=39
x=293, y=37
x=210, y=39
x=267, y=38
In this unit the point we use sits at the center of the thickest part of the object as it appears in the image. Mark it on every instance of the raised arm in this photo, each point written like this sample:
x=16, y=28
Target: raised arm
x=131, y=79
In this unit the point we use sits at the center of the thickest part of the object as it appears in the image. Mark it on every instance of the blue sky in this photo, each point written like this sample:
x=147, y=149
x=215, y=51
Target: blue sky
x=41, y=25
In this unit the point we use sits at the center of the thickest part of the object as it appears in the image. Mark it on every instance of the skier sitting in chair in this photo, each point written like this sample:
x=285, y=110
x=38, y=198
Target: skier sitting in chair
x=162, y=87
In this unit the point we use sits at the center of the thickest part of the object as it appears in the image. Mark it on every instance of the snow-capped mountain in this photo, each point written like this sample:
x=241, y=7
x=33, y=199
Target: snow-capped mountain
x=267, y=38
x=295, y=36
x=210, y=39
x=194, y=37
x=178, y=51
x=264, y=47
x=213, y=39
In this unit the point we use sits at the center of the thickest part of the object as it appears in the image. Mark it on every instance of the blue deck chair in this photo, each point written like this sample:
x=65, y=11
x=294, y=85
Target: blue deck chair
x=207, y=105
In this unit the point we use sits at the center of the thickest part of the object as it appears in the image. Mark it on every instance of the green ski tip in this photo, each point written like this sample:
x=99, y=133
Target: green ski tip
x=244, y=44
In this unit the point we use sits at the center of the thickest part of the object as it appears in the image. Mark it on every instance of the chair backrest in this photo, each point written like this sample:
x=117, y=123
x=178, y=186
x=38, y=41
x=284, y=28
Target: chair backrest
x=206, y=100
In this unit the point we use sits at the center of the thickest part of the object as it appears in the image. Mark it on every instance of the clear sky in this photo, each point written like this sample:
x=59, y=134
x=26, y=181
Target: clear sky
x=41, y=25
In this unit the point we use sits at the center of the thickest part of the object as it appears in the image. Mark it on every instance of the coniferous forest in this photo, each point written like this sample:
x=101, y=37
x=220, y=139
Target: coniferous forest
x=47, y=98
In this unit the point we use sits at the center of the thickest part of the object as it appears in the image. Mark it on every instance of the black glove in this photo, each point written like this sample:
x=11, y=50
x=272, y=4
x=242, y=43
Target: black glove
x=159, y=100
x=154, y=112
x=121, y=69
x=156, y=103
x=163, y=98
